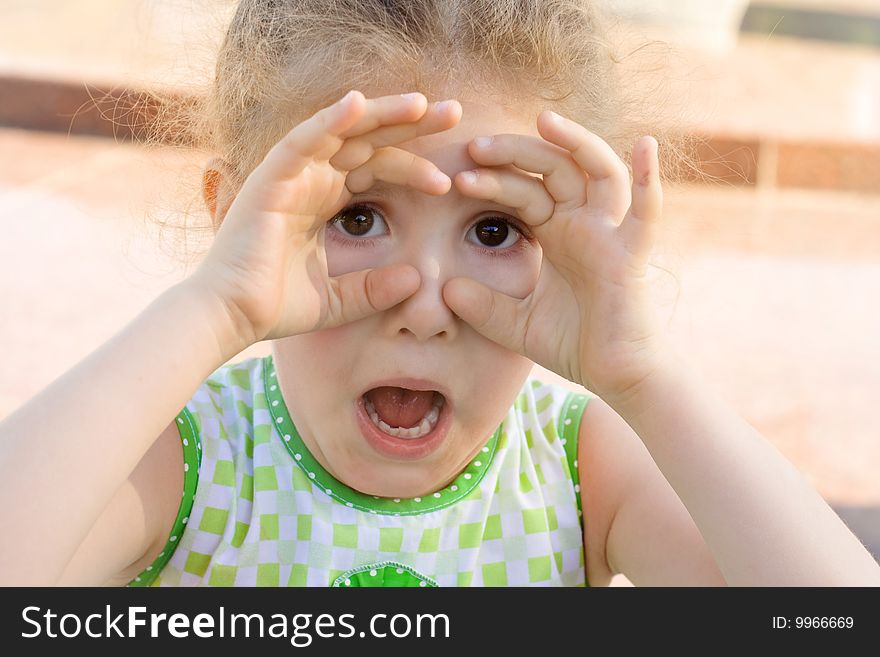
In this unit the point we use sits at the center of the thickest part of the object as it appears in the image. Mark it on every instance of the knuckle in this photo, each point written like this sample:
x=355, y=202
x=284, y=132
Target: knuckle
x=541, y=212
x=383, y=156
x=491, y=311
x=359, y=180
x=353, y=153
x=370, y=291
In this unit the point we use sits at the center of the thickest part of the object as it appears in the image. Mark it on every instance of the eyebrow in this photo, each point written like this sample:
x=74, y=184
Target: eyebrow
x=385, y=190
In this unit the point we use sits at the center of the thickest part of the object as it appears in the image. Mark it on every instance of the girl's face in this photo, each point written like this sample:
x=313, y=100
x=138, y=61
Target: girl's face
x=323, y=374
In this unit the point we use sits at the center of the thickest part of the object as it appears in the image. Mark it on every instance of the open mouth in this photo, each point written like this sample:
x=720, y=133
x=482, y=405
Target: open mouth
x=403, y=423
x=404, y=413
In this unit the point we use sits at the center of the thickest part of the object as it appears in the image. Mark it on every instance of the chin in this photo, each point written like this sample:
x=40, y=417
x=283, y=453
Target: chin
x=410, y=484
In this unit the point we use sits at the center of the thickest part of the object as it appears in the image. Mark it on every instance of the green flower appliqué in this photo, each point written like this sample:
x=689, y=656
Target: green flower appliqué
x=384, y=574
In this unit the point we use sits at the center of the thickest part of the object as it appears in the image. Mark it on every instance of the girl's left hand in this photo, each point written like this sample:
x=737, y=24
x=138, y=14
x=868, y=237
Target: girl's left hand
x=589, y=318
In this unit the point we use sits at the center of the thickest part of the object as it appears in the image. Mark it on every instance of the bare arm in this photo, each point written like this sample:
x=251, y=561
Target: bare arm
x=635, y=523
x=763, y=522
x=67, y=452
x=135, y=526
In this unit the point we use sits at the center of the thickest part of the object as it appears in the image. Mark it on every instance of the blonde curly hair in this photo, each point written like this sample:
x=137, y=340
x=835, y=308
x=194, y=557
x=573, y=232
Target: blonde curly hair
x=282, y=60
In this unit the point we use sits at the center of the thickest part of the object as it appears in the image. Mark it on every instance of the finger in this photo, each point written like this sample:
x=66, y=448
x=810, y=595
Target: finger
x=361, y=293
x=320, y=136
x=400, y=167
x=524, y=193
x=639, y=227
x=388, y=110
x=357, y=150
x=608, y=189
x=499, y=317
x=563, y=178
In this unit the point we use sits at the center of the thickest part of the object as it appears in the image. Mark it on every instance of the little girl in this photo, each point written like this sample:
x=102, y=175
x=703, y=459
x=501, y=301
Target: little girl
x=410, y=260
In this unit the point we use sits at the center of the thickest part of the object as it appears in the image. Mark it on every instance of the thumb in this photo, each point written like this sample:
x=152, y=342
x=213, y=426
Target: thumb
x=492, y=314
x=361, y=293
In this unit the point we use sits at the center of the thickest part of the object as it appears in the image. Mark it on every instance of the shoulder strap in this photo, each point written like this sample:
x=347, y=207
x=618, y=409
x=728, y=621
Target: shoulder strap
x=569, y=424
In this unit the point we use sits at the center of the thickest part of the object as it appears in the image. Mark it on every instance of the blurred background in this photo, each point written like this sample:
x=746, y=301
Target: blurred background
x=768, y=268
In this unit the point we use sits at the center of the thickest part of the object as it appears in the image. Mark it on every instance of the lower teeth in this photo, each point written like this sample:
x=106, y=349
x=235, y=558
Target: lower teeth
x=422, y=429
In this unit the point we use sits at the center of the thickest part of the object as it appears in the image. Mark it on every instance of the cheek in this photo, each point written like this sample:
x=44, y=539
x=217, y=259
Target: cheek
x=499, y=369
x=327, y=342
x=344, y=259
x=515, y=276
x=324, y=355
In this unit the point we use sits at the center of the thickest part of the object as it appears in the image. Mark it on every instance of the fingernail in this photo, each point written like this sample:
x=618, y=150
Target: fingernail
x=443, y=106
x=483, y=142
x=440, y=177
x=346, y=98
x=410, y=96
x=470, y=177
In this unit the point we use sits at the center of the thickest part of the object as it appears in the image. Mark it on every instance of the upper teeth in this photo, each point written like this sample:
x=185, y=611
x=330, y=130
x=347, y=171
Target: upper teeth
x=422, y=428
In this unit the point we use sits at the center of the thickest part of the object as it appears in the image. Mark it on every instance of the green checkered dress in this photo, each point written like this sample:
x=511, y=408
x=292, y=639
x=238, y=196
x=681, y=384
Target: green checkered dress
x=259, y=510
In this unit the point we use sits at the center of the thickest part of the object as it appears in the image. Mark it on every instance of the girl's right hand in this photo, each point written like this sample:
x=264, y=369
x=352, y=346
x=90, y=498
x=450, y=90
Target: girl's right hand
x=267, y=265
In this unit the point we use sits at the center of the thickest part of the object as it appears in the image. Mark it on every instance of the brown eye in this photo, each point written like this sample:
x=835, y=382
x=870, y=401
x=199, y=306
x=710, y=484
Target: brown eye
x=356, y=220
x=494, y=232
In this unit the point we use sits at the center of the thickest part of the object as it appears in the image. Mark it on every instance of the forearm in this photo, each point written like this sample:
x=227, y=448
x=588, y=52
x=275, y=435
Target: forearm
x=64, y=453
x=764, y=523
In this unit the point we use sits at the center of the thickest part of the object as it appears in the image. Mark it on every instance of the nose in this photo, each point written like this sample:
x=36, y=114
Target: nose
x=424, y=314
